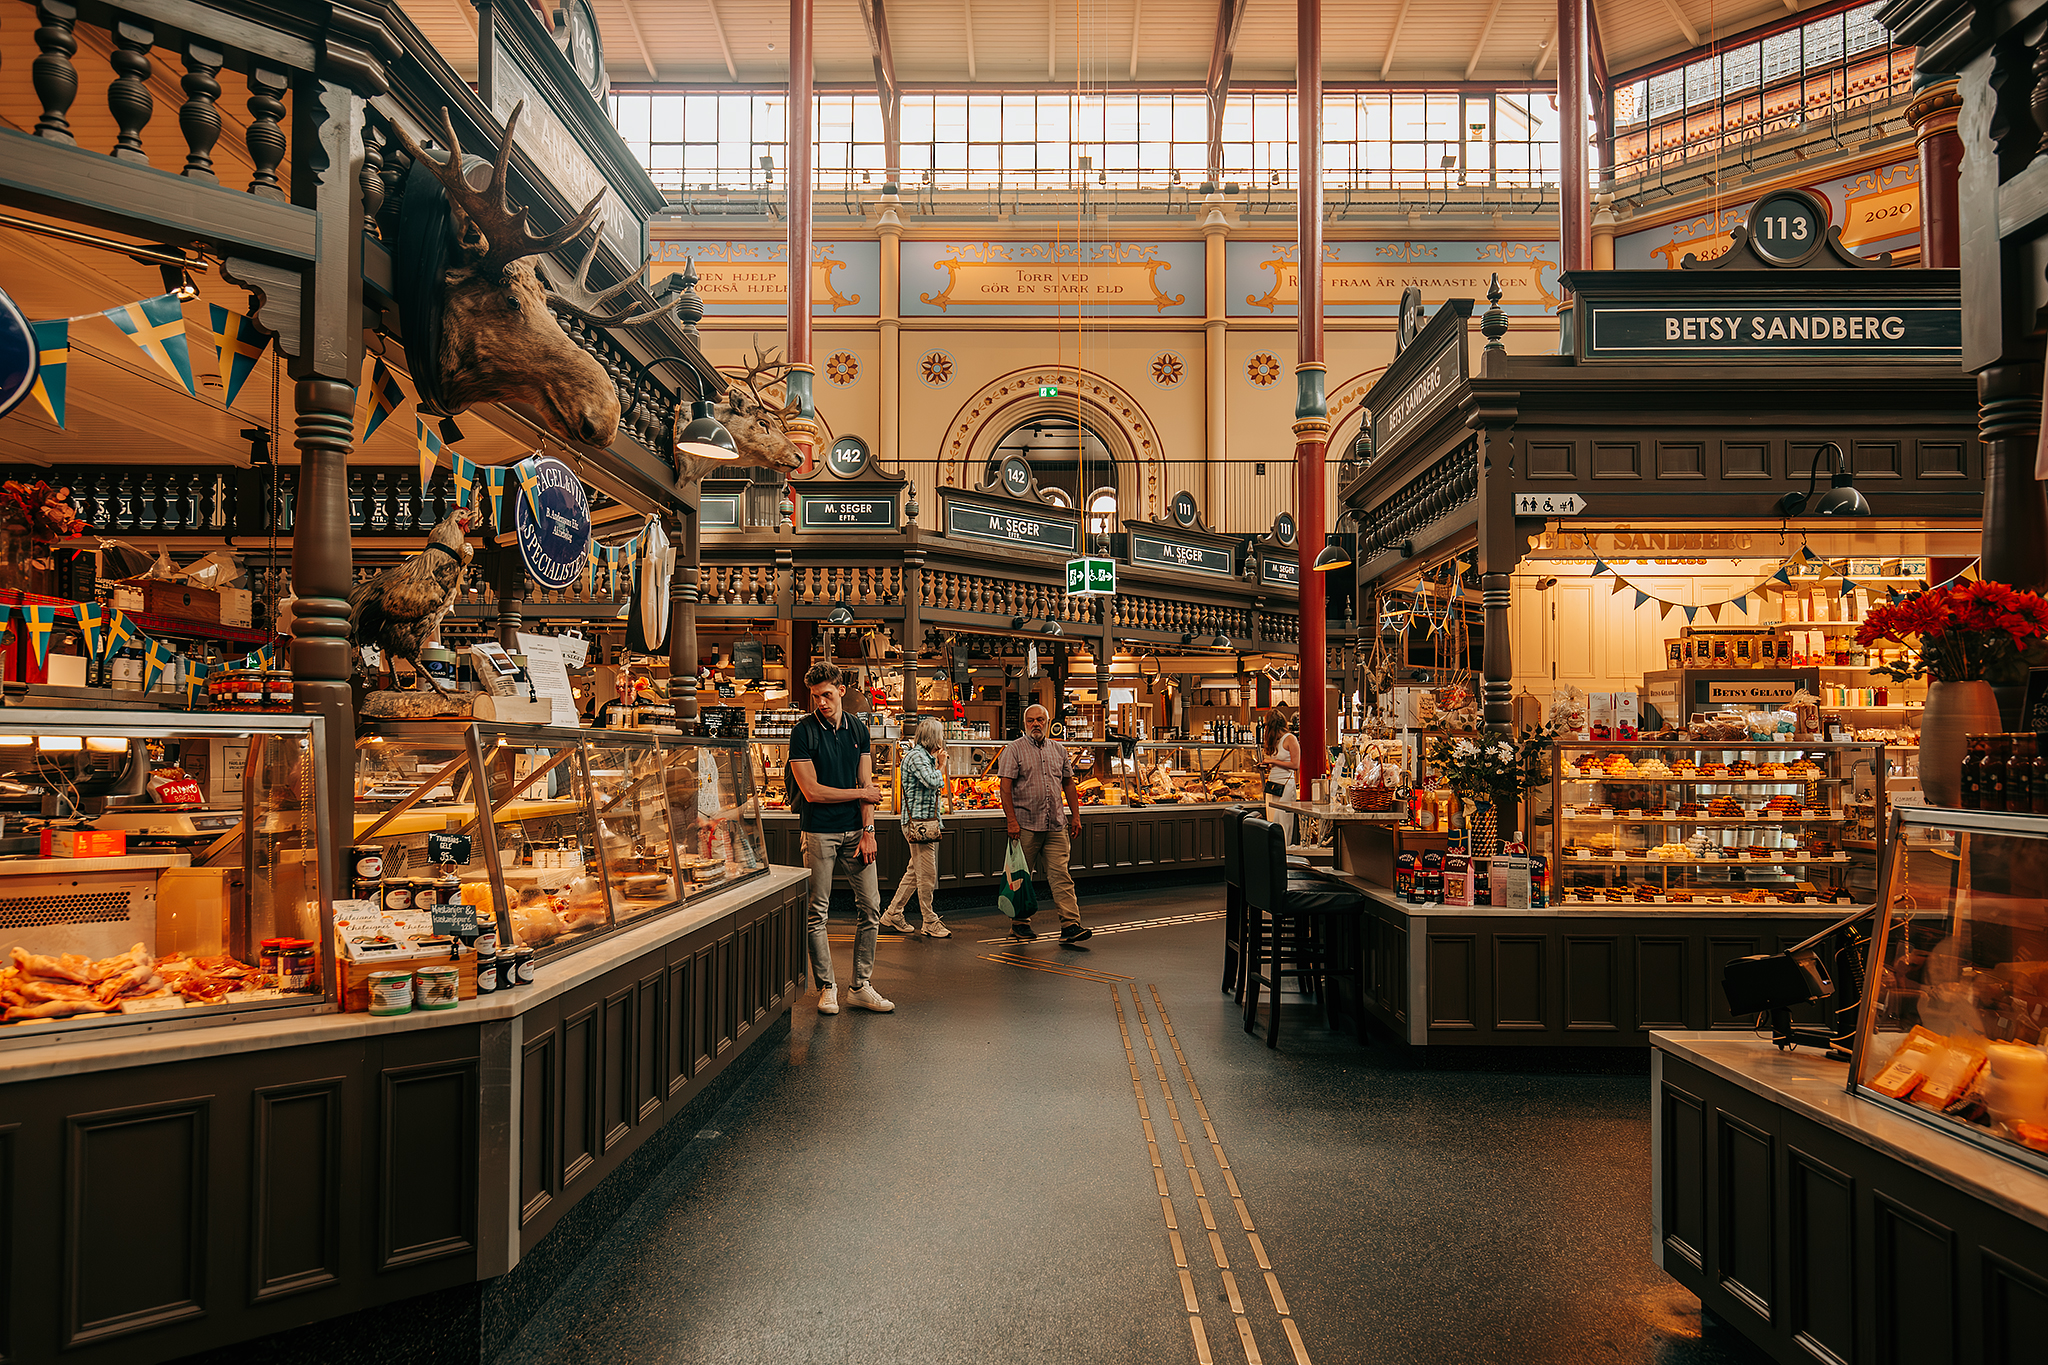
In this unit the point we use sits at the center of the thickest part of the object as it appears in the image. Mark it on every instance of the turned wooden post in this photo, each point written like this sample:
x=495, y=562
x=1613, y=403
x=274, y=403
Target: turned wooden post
x=683, y=650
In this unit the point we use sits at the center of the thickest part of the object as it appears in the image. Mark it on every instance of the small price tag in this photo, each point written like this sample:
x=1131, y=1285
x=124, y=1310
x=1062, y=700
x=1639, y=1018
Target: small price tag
x=166, y=1002
x=449, y=848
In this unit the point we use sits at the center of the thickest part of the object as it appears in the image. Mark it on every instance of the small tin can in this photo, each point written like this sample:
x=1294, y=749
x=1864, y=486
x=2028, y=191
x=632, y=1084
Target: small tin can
x=439, y=987
x=486, y=973
x=366, y=862
x=508, y=970
x=371, y=891
x=398, y=895
x=391, y=992
x=522, y=965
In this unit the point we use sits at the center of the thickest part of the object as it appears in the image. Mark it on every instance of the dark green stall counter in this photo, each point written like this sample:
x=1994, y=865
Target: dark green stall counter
x=1484, y=976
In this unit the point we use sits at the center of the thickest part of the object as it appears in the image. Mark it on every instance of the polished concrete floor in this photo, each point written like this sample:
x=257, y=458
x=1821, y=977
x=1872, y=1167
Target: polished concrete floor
x=973, y=1178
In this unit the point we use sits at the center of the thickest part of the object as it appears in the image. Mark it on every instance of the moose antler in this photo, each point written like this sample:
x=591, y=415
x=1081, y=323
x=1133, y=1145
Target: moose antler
x=576, y=298
x=489, y=210
x=765, y=363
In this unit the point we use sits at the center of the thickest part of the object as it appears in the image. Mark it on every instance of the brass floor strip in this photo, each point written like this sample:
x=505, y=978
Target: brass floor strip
x=1251, y=1348
x=1078, y=974
x=1259, y=1251
x=1166, y=1207
x=1230, y=1288
x=1201, y=1342
x=1208, y=1214
x=1127, y=926
x=1160, y=1176
x=1244, y=1215
x=1180, y=1252
x=1216, y=1245
x=1187, y=1292
x=1294, y=1340
x=1279, y=1299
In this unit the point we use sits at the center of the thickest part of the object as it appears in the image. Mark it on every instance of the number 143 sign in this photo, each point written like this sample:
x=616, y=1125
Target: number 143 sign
x=1549, y=504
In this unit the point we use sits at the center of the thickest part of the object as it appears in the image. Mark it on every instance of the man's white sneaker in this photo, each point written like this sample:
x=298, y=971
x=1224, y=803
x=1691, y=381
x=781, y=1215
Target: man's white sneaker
x=868, y=998
x=828, y=1000
x=894, y=922
x=934, y=929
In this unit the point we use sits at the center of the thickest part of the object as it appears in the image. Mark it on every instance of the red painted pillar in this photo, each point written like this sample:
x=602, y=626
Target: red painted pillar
x=1573, y=79
x=803, y=429
x=1311, y=409
x=1937, y=101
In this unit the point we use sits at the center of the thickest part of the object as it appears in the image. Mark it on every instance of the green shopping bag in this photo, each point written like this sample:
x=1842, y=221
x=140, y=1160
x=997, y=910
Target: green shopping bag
x=1017, y=899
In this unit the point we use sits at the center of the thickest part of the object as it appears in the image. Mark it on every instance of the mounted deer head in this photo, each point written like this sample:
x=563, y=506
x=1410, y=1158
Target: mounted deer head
x=477, y=325
x=755, y=423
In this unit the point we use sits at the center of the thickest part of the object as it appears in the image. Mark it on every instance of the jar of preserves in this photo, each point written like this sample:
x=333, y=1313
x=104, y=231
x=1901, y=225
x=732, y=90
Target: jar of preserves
x=1991, y=781
x=2019, y=774
x=298, y=969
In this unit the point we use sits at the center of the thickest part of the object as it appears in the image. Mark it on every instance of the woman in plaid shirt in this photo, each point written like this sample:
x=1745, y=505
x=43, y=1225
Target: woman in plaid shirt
x=922, y=783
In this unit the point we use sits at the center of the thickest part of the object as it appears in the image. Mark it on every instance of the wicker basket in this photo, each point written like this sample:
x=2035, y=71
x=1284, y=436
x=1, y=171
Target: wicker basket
x=1376, y=796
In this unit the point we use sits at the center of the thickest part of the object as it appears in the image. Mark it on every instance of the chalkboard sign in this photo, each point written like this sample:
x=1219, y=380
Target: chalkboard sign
x=457, y=918
x=1033, y=529
x=2034, y=715
x=448, y=848
x=1165, y=552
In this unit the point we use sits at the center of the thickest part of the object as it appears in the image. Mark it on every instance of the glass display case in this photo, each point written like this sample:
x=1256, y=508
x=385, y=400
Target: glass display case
x=1955, y=1006
x=1710, y=824
x=1196, y=770
x=155, y=864
x=588, y=830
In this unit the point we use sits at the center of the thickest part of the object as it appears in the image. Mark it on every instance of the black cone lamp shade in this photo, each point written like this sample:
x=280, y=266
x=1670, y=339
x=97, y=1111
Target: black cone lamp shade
x=1333, y=556
x=1841, y=500
x=705, y=436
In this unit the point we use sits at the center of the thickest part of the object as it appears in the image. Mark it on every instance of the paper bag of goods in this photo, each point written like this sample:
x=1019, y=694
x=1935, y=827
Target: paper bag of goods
x=172, y=787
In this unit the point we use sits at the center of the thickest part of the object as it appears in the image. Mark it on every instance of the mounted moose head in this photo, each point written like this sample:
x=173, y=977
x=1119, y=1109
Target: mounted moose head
x=755, y=423
x=477, y=322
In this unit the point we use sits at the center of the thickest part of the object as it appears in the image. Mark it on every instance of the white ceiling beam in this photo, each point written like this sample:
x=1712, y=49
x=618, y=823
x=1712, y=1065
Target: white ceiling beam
x=468, y=13
x=1394, y=39
x=1692, y=35
x=967, y=17
x=1478, y=47
x=1052, y=14
x=1137, y=30
x=725, y=48
x=633, y=23
x=1549, y=50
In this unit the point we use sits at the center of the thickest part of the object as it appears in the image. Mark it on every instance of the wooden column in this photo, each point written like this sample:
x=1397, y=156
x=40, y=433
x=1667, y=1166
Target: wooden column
x=328, y=356
x=802, y=429
x=2015, y=544
x=684, y=593
x=1500, y=546
x=1311, y=409
x=1937, y=101
x=1573, y=77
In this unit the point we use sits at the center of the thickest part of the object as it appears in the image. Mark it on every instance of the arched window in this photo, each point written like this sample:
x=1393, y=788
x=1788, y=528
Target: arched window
x=1070, y=462
x=1102, y=512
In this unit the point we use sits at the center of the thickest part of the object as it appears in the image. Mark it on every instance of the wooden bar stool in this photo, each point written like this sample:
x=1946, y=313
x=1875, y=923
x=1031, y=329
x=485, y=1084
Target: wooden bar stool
x=1234, y=918
x=1294, y=926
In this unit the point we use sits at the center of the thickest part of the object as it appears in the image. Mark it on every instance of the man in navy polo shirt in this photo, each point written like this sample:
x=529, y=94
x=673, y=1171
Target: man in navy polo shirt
x=832, y=768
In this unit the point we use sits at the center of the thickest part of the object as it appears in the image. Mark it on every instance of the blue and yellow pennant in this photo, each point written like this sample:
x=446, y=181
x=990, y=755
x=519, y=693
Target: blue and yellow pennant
x=53, y=344
x=385, y=396
x=158, y=326
x=238, y=344
x=430, y=451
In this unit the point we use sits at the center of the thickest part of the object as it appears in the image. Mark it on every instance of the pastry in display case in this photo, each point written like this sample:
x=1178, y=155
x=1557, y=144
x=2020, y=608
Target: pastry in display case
x=1197, y=771
x=584, y=833
x=1954, y=1025
x=154, y=864
x=1709, y=824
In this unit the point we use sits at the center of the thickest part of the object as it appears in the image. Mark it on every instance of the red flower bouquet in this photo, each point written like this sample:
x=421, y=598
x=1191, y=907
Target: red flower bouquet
x=1963, y=632
x=46, y=512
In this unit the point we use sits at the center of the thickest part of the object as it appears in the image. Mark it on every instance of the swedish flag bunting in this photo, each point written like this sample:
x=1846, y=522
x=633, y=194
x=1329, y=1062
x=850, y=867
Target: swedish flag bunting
x=42, y=622
x=430, y=451
x=385, y=396
x=155, y=660
x=495, y=478
x=53, y=345
x=158, y=326
x=528, y=473
x=92, y=619
x=238, y=344
x=464, y=471
x=121, y=631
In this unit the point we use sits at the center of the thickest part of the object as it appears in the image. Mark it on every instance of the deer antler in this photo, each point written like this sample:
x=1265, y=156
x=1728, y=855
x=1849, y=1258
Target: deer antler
x=765, y=363
x=489, y=210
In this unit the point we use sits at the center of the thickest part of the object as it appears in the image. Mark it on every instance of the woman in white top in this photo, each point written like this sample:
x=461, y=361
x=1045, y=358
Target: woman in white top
x=1280, y=756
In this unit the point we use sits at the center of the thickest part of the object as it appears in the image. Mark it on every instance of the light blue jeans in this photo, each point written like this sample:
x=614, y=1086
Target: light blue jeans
x=823, y=855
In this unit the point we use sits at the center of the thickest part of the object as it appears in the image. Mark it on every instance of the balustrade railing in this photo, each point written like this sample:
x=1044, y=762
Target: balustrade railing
x=1434, y=493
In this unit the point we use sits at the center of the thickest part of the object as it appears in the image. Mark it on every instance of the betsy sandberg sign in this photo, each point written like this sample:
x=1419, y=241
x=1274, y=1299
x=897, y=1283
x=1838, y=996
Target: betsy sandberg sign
x=1767, y=317
x=555, y=541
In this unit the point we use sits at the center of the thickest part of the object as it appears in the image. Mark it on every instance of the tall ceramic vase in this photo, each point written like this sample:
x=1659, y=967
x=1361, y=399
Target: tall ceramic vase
x=1955, y=711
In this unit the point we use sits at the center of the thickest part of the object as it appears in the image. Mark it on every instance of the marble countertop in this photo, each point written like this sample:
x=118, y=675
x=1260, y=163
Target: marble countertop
x=58, y=1054
x=1814, y=1088
x=1340, y=813
x=1386, y=897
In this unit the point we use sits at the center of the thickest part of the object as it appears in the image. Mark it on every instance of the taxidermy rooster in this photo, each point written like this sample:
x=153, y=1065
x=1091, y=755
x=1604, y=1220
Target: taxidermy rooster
x=400, y=609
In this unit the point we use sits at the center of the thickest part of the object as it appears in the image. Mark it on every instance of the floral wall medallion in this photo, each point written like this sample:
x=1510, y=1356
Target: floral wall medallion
x=1168, y=370
x=936, y=368
x=1263, y=369
x=842, y=368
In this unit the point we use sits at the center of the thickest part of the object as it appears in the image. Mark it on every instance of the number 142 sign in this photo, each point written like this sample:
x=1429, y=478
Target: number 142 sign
x=1549, y=504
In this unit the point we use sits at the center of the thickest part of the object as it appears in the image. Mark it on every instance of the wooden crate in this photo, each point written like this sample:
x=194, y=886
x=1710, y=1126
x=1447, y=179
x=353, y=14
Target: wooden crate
x=355, y=977
x=180, y=600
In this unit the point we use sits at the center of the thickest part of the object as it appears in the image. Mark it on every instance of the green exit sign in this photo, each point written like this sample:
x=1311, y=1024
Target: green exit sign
x=1091, y=577
x=1048, y=390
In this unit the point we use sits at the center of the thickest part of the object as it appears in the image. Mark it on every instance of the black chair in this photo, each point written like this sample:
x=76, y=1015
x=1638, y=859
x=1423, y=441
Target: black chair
x=1234, y=917
x=1299, y=926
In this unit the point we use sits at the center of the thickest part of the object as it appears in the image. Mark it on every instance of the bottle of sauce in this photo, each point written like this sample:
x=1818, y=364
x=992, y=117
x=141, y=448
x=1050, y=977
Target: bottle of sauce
x=1991, y=774
x=2037, y=778
x=1970, y=783
x=2019, y=774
